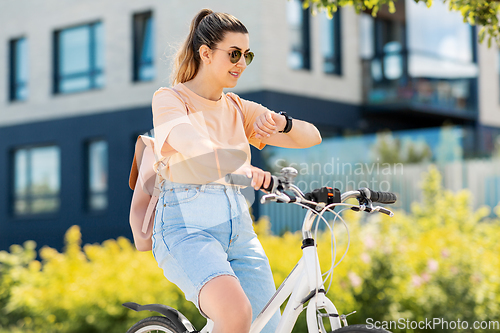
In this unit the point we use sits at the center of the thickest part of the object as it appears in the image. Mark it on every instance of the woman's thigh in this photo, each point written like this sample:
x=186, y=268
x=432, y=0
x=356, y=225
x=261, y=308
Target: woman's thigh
x=190, y=240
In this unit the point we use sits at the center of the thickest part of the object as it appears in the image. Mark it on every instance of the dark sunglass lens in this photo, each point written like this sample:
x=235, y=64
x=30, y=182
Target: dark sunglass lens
x=235, y=56
x=248, y=58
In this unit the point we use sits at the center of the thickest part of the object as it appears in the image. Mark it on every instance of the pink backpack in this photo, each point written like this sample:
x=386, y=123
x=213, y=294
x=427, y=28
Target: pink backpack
x=144, y=181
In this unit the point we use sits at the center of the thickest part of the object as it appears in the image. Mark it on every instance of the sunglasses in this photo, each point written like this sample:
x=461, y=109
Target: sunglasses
x=235, y=56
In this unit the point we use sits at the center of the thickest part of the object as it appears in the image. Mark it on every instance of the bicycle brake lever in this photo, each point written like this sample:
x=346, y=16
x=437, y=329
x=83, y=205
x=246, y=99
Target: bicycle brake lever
x=281, y=197
x=268, y=197
x=383, y=210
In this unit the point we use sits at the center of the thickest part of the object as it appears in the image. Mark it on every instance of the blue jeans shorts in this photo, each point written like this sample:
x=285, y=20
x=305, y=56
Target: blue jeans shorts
x=204, y=231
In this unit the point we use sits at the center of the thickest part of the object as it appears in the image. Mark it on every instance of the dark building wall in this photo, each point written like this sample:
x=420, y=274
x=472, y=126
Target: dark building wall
x=119, y=129
x=71, y=135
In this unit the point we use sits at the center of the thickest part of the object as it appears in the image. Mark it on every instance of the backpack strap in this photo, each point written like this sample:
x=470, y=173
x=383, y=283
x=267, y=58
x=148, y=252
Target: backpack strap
x=185, y=104
x=149, y=217
x=230, y=97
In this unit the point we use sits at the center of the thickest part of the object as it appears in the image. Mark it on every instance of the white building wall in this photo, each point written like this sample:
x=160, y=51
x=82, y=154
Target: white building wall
x=265, y=20
x=278, y=76
x=41, y=19
x=269, y=39
x=489, y=85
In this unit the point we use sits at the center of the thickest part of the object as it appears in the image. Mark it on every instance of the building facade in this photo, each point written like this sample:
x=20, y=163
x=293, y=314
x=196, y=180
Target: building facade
x=79, y=77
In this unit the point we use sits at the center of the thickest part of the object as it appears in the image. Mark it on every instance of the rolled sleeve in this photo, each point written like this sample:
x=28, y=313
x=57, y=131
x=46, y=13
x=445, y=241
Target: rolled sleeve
x=168, y=111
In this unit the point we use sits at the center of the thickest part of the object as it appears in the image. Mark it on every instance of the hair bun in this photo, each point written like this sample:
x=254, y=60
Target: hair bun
x=201, y=15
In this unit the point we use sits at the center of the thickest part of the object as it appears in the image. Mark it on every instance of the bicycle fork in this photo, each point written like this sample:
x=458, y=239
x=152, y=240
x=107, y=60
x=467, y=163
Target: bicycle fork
x=318, y=300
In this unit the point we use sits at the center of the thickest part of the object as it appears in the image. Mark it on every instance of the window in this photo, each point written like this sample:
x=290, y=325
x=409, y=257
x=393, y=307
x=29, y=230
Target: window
x=440, y=44
x=298, y=21
x=426, y=58
x=18, y=90
x=389, y=50
x=330, y=43
x=143, y=47
x=97, y=175
x=36, y=180
x=79, y=58
x=366, y=36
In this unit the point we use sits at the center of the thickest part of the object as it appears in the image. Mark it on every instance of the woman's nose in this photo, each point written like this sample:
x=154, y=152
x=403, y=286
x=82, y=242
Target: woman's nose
x=242, y=62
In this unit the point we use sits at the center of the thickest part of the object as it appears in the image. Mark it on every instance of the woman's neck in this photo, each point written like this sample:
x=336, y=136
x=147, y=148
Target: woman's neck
x=202, y=86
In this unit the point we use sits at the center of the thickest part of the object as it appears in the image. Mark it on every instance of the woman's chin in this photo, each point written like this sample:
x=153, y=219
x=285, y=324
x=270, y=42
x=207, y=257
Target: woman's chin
x=231, y=84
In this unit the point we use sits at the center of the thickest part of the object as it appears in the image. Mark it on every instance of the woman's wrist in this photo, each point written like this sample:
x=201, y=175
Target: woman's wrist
x=288, y=122
x=279, y=120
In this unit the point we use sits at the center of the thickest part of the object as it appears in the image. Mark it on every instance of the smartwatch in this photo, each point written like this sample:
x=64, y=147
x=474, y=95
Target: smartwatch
x=288, y=126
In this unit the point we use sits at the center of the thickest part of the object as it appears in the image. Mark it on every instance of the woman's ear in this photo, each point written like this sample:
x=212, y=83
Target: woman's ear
x=205, y=54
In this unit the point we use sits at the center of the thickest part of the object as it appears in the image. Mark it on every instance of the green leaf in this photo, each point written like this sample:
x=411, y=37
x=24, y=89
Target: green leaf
x=392, y=8
x=481, y=34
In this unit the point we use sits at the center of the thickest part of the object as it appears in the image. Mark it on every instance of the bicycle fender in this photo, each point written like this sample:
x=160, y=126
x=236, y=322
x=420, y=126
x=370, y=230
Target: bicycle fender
x=178, y=319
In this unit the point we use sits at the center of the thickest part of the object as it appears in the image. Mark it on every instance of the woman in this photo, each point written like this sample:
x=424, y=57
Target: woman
x=203, y=236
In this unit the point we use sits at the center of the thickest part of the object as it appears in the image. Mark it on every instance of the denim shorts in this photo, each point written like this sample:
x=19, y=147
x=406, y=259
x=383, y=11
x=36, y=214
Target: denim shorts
x=204, y=231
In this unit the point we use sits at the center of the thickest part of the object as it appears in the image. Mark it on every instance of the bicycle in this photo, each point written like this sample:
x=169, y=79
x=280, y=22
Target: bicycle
x=305, y=282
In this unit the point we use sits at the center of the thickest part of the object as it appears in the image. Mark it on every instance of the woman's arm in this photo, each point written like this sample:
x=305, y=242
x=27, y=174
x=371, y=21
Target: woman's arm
x=187, y=141
x=201, y=154
x=302, y=135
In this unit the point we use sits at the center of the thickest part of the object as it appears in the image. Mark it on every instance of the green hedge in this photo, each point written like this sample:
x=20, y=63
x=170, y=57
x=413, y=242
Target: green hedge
x=440, y=261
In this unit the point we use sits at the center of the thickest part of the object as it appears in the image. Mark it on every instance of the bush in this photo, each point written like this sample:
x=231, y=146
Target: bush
x=81, y=290
x=440, y=261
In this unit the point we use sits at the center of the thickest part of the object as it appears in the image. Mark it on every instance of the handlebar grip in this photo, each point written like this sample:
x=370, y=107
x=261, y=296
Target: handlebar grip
x=243, y=180
x=382, y=197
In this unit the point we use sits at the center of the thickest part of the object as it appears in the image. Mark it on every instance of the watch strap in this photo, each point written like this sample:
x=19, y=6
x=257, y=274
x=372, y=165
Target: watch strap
x=288, y=126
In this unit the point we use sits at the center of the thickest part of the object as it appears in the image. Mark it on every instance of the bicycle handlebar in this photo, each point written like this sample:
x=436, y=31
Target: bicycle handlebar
x=315, y=203
x=363, y=193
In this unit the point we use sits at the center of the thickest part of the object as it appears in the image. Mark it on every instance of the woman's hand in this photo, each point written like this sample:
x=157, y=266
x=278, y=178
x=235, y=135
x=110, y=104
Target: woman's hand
x=258, y=176
x=268, y=124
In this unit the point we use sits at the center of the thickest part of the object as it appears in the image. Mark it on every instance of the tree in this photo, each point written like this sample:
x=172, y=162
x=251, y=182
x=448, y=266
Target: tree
x=388, y=149
x=482, y=13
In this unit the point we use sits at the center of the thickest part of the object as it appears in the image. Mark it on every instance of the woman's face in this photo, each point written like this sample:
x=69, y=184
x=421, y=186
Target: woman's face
x=221, y=69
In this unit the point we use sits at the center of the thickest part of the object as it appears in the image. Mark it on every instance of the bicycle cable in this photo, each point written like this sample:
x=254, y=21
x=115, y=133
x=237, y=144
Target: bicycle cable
x=333, y=242
x=333, y=246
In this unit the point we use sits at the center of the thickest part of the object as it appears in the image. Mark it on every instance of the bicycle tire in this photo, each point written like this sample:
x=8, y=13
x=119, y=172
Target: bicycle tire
x=359, y=329
x=153, y=325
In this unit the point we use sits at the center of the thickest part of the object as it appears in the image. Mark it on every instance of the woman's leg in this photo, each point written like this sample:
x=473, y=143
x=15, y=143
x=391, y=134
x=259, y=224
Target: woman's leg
x=250, y=264
x=190, y=241
x=223, y=300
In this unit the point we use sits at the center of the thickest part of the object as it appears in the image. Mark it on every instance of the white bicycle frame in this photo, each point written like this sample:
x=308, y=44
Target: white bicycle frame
x=304, y=283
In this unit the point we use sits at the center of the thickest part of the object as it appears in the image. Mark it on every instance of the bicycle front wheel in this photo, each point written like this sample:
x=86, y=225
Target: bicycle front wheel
x=359, y=329
x=153, y=325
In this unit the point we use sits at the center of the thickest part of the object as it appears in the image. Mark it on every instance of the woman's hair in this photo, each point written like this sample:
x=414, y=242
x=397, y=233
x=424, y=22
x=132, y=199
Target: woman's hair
x=207, y=28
